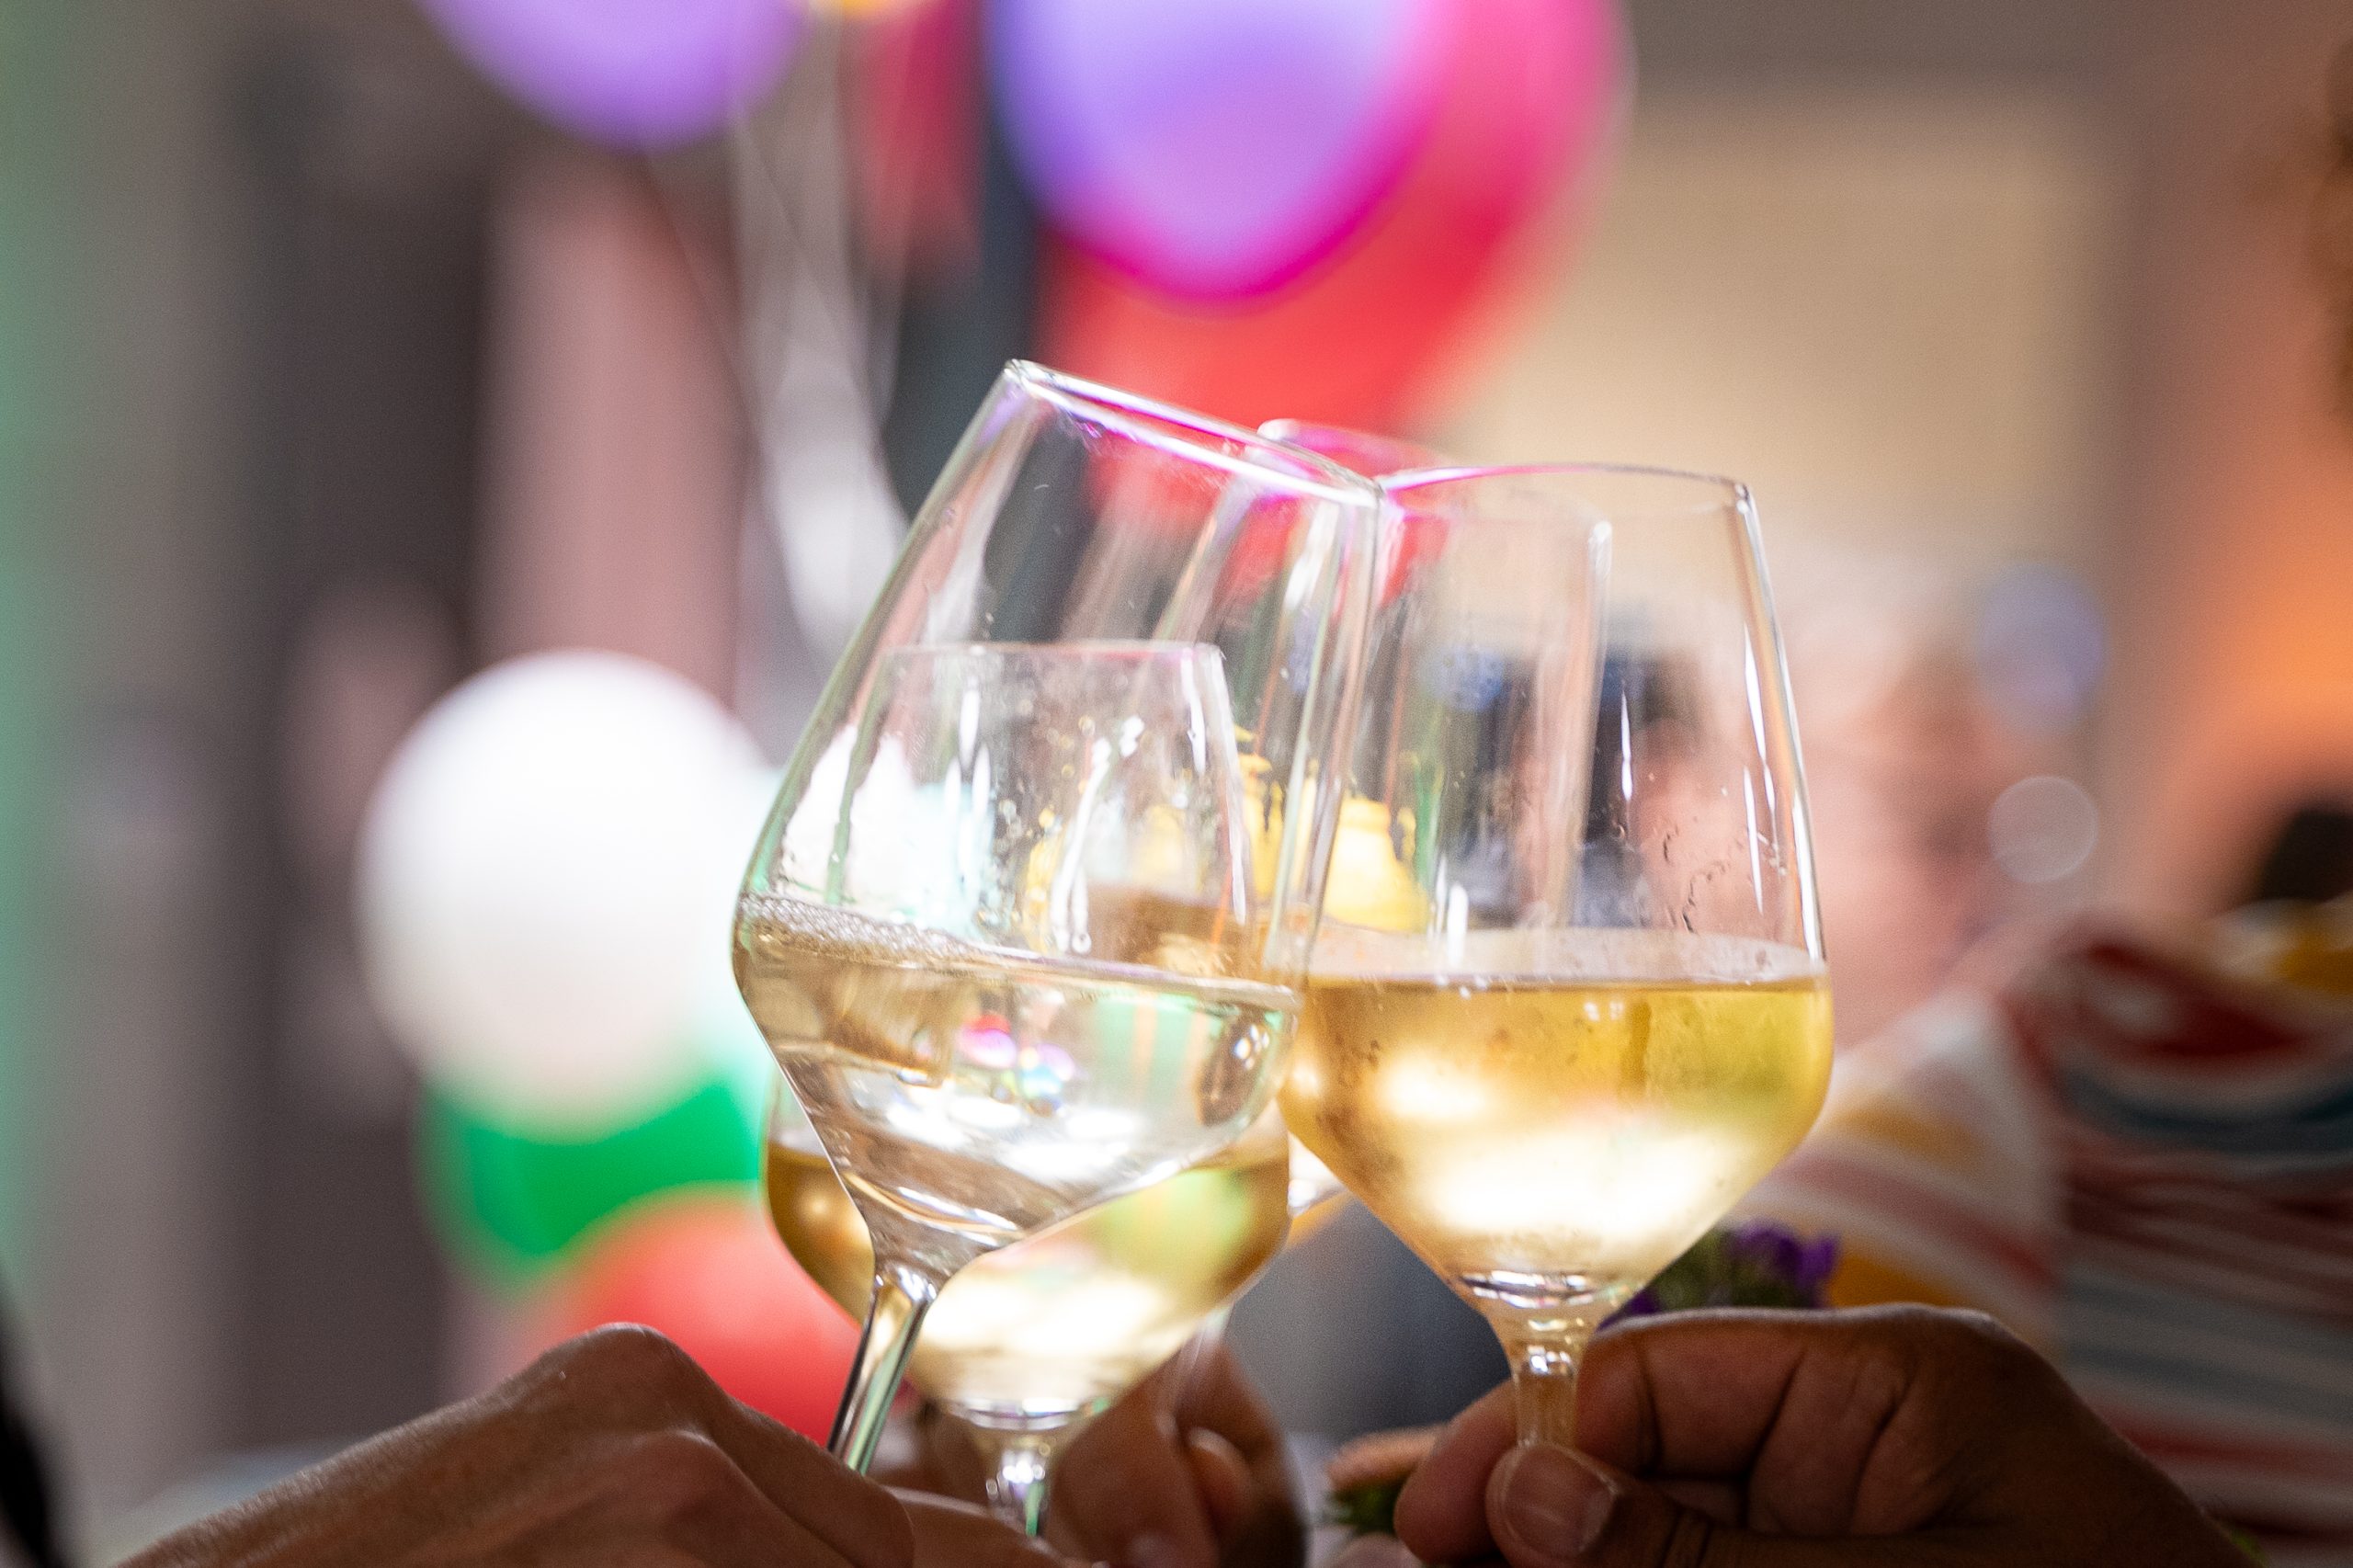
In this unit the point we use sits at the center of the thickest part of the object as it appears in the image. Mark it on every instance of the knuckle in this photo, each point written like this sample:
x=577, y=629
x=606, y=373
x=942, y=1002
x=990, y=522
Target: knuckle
x=632, y=1350
x=1964, y=1360
x=633, y=1373
x=1982, y=1344
x=673, y=1472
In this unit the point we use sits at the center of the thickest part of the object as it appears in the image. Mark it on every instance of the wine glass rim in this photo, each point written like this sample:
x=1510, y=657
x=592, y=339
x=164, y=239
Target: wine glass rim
x=1730, y=491
x=1149, y=421
x=1079, y=647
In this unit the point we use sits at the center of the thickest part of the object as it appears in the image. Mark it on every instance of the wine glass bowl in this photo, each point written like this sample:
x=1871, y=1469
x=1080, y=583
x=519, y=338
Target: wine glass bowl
x=1592, y=1011
x=1058, y=995
x=1027, y=923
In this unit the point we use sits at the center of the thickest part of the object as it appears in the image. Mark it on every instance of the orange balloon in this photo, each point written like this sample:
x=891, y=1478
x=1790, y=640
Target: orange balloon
x=703, y=1268
x=1533, y=93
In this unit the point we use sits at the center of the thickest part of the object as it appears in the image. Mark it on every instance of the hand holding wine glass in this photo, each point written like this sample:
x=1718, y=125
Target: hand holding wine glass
x=1028, y=1344
x=1026, y=926
x=1600, y=1015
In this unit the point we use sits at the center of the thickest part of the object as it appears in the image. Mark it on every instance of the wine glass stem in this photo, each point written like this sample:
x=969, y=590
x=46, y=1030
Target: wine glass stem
x=1545, y=1346
x=1019, y=1461
x=902, y=1297
x=1544, y=1393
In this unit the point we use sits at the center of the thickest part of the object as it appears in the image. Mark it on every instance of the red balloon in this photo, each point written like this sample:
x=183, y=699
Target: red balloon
x=704, y=1268
x=1533, y=93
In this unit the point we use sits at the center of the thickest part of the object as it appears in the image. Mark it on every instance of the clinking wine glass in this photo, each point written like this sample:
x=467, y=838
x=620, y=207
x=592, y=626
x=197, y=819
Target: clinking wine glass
x=1591, y=1011
x=994, y=1024
x=1024, y=925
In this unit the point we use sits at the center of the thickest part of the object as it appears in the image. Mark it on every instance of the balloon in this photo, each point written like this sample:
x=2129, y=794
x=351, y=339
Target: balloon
x=546, y=883
x=1214, y=148
x=704, y=1268
x=509, y=1202
x=631, y=72
x=1530, y=99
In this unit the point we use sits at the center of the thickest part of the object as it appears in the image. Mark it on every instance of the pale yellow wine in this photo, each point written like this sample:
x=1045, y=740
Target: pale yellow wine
x=989, y=1093
x=1564, y=1110
x=1063, y=1323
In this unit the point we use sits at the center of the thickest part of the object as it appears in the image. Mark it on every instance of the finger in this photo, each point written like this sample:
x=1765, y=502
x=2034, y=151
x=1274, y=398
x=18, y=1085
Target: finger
x=1216, y=1398
x=1869, y=1421
x=1380, y=1457
x=1701, y=1393
x=949, y=1534
x=1254, y=1521
x=1441, y=1513
x=1123, y=1491
x=1375, y=1552
x=856, y=1516
x=1552, y=1509
x=1212, y=1391
x=637, y=1380
x=1221, y=1478
x=679, y=1490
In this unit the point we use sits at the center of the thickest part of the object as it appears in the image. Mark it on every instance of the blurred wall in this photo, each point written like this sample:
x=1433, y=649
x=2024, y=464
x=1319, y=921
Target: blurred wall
x=1879, y=307
x=116, y=163
x=2232, y=574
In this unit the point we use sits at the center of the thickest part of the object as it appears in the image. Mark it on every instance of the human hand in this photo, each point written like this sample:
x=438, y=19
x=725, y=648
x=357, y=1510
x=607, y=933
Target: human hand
x=1868, y=1439
x=614, y=1447
x=1188, y=1470
x=952, y=1534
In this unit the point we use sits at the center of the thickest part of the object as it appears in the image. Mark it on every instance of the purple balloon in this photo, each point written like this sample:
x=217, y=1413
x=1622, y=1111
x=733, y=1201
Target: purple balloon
x=632, y=72
x=1214, y=148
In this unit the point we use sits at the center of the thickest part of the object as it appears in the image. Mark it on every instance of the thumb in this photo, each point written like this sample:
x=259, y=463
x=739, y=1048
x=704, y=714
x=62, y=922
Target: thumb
x=1552, y=1509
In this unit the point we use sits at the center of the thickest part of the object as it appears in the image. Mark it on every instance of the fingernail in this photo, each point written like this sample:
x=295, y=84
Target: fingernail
x=1554, y=1502
x=1375, y=1552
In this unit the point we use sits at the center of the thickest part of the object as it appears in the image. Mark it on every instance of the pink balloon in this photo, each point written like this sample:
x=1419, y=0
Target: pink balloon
x=1214, y=148
x=632, y=72
x=1525, y=122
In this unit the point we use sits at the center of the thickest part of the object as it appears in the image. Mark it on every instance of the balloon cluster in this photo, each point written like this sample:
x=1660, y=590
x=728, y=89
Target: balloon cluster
x=1261, y=207
x=545, y=881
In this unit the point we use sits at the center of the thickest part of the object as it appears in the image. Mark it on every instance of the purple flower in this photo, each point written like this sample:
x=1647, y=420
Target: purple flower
x=1754, y=1263
x=1816, y=1261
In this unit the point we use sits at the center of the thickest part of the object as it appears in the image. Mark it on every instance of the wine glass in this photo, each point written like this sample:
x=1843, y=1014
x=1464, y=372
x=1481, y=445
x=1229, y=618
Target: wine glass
x=1590, y=1011
x=1027, y=1344
x=1002, y=809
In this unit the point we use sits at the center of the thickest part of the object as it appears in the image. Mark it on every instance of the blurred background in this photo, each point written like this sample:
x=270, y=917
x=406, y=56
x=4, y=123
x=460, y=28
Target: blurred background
x=347, y=350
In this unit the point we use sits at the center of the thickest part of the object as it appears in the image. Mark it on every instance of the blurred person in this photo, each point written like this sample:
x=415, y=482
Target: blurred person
x=1744, y=1439
x=2137, y=1152
x=1905, y=756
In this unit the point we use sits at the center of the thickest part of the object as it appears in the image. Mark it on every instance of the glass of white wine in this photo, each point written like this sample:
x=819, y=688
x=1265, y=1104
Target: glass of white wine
x=1590, y=1009
x=1026, y=925
x=1027, y=1344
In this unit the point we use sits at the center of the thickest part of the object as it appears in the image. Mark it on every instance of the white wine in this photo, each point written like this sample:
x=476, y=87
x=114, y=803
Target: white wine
x=1061, y=1324
x=988, y=1093
x=1556, y=1112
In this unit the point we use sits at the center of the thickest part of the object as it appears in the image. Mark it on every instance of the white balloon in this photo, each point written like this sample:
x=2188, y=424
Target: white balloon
x=546, y=883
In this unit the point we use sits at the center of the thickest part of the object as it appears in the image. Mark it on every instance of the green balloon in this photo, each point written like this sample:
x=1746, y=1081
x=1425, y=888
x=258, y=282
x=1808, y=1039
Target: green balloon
x=510, y=1203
